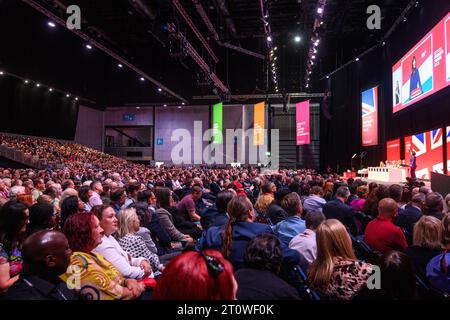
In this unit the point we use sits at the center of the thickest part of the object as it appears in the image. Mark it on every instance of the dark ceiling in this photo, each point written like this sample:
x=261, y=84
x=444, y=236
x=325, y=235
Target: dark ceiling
x=137, y=30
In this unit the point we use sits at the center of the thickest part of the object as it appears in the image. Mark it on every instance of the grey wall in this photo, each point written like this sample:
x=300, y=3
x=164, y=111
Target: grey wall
x=114, y=116
x=89, y=131
x=168, y=119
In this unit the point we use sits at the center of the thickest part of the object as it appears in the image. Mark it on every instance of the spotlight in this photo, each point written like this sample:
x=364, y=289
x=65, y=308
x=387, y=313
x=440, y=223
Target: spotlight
x=51, y=24
x=142, y=79
x=384, y=43
x=316, y=43
x=38, y=85
x=321, y=22
x=67, y=95
x=183, y=103
x=26, y=81
x=312, y=62
x=405, y=19
x=76, y=98
x=357, y=59
x=275, y=58
x=307, y=85
x=275, y=48
x=416, y=4
x=50, y=89
x=269, y=38
x=328, y=77
x=297, y=39
x=1, y=73
x=138, y=108
x=314, y=50
x=179, y=107
x=159, y=89
x=313, y=56
x=88, y=46
x=120, y=65
x=319, y=10
x=309, y=72
x=165, y=105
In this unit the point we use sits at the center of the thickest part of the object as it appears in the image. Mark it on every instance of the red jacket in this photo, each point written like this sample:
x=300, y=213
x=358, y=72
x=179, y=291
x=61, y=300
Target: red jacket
x=383, y=236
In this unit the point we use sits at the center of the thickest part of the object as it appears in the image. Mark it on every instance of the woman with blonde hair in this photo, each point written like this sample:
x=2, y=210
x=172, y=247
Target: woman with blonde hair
x=426, y=243
x=132, y=243
x=336, y=273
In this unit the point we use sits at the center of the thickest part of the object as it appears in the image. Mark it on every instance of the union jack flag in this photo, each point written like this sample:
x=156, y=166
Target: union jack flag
x=369, y=102
x=428, y=148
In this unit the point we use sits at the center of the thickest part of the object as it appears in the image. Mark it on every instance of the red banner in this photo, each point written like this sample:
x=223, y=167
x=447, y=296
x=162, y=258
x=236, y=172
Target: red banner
x=393, y=150
x=302, y=122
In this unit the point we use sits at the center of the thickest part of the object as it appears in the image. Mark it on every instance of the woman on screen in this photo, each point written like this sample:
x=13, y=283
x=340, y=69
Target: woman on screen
x=415, y=85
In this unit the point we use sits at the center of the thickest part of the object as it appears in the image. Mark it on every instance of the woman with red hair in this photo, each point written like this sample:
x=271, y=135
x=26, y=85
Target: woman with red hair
x=205, y=275
x=89, y=273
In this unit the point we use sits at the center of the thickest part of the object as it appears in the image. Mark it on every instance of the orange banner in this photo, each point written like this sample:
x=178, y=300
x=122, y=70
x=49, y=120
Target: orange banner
x=258, y=134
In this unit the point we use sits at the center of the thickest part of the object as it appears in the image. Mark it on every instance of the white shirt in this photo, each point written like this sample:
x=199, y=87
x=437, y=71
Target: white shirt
x=95, y=199
x=305, y=244
x=113, y=252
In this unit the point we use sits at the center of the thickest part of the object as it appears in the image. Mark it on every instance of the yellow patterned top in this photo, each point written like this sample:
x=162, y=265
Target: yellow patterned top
x=93, y=277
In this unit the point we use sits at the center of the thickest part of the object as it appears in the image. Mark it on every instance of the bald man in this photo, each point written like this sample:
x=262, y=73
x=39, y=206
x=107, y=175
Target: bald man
x=381, y=233
x=46, y=255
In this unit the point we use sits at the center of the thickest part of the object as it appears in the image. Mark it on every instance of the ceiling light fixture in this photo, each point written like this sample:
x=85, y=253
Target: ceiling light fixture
x=51, y=24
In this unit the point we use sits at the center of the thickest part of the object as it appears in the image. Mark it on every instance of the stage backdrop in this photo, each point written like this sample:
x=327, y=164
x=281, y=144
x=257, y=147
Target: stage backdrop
x=425, y=69
x=302, y=122
x=393, y=150
x=428, y=148
x=369, y=117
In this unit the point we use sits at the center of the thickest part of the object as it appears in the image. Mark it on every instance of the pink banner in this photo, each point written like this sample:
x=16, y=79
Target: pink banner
x=302, y=122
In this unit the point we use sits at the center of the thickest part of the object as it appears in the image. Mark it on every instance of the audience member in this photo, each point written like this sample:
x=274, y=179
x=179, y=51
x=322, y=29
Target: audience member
x=204, y=275
x=46, y=256
x=336, y=273
x=305, y=243
x=293, y=224
x=337, y=209
x=259, y=279
x=381, y=234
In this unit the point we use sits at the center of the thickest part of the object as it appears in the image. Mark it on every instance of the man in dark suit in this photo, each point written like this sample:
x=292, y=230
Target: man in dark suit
x=411, y=214
x=337, y=209
x=434, y=205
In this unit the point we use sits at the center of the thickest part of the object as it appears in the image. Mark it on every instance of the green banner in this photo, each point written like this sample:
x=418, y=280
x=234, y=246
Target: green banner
x=217, y=123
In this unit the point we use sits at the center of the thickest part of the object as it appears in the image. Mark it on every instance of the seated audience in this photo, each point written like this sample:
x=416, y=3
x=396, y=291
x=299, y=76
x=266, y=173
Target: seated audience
x=46, y=256
x=265, y=198
x=163, y=200
x=305, y=243
x=438, y=269
x=204, y=275
x=337, y=209
x=274, y=211
x=233, y=238
x=118, y=198
x=14, y=217
x=293, y=224
x=42, y=217
x=411, y=213
x=217, y=215
x=187, y=207
x=381, y=233
x=358, y=203
x=336, y=273
x=96, y=278
x=259, y=279
x=69, y=206
x=129, y=267
x=434, y=205
x=426, y=243
x=131, y=242
x=315, y=200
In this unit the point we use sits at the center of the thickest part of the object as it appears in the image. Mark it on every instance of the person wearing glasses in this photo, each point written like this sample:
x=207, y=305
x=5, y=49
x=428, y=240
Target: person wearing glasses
x=204, y=275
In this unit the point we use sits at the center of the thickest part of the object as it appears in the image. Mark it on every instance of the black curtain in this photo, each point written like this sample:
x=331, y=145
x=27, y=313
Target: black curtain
x=27, y=109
